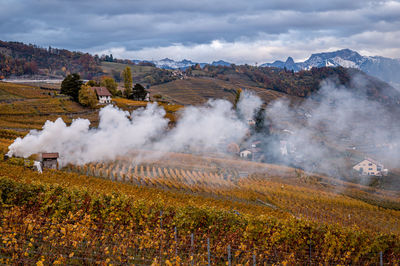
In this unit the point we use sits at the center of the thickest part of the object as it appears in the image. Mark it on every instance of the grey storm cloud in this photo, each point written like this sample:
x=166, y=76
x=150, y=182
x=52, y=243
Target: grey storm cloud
x=146, y=27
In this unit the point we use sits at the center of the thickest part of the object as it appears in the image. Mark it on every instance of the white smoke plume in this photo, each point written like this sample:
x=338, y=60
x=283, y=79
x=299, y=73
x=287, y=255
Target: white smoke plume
x=206, y=128
x=339, y=126
x=248, y=104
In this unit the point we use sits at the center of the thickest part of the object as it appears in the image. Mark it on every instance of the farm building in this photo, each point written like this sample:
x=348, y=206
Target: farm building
x=103, y=95
x=370, y=167
x=49, y=160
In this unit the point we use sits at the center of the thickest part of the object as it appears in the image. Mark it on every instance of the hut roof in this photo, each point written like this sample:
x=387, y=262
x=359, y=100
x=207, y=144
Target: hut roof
x=50, y=155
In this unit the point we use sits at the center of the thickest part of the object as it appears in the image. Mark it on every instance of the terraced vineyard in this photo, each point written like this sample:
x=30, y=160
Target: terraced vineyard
x=66, y=218
x=164, y=177
x=293, y=192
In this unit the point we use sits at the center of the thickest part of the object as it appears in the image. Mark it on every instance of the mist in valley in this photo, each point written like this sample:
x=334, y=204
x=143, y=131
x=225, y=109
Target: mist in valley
x=325, y=133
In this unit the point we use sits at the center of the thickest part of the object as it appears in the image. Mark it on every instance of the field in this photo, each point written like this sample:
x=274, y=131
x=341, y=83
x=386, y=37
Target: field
x=172, y=208
x=64, y=217
x=197, y=90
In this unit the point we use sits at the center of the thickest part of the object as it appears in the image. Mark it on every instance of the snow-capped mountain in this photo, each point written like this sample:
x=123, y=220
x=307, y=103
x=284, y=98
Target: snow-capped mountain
x=384, y=68
x=167, y=63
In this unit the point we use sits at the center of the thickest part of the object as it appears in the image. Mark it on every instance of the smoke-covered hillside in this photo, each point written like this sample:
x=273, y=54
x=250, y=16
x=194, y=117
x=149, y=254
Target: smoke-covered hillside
x=220, y=80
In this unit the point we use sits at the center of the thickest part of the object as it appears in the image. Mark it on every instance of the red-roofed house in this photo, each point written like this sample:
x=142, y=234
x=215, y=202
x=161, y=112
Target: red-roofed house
x=103, y=95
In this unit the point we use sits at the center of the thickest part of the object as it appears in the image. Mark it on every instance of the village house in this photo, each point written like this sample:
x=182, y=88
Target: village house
x=49, y=160
x=252, y=154
x=251, y=122
x=370, y=167
x=103, y=95
x=245, y=154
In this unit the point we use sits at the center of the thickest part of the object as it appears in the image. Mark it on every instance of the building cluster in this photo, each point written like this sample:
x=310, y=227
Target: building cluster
x=179, y=74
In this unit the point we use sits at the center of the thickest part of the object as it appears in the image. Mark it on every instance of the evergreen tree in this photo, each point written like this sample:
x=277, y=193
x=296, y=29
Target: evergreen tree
x=71, y=86
x=139, y=93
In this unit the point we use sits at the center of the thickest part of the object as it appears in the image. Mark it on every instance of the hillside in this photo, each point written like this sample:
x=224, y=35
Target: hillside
x=18, y=59
x=197, y=90
x=271, y=83
x=141, y=73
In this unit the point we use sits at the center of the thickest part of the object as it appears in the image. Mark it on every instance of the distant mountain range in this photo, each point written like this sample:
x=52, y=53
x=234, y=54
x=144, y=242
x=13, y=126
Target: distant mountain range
x=386, y=69
x=167, y=63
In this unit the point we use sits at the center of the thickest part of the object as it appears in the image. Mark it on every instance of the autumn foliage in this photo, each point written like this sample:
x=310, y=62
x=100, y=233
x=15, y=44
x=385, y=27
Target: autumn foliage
x=66, y=218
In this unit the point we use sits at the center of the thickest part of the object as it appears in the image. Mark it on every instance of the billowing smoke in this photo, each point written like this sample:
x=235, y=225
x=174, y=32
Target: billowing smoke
x=200, y=129
x=335, y=128
x=326, y=133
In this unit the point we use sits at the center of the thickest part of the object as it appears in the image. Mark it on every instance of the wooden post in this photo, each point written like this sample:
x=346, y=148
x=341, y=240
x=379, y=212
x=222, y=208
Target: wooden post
x=229, y=255
x=192, y=248
x=161, y=238
x=176, y=242
x=254, y=260
x=309, y=238
x=208, y=251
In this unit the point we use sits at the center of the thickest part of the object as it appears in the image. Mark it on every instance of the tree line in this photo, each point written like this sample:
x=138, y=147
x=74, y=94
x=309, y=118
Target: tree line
x=18, y=59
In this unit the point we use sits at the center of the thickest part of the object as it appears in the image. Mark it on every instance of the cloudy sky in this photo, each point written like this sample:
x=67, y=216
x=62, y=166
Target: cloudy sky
x=233, y=30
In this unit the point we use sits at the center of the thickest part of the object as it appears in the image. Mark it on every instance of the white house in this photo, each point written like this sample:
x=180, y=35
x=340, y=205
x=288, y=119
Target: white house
x=246, y=154
x=370, y=167
x=251, y=122
x=103, y=95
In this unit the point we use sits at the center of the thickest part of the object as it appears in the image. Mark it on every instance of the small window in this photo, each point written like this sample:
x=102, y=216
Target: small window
x=369, y=168
x=370, y=164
